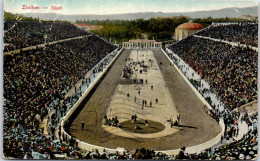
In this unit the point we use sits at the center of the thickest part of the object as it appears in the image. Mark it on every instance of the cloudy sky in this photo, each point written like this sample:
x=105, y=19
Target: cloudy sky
x=123, y=6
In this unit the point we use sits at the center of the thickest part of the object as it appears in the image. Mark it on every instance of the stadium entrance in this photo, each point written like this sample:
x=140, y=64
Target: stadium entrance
x=141, y=43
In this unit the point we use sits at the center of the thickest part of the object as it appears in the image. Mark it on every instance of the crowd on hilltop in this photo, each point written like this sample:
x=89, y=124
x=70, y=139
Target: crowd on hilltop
x=21, y=34
x=231, y=71
x=36, y=81
x=240, y=32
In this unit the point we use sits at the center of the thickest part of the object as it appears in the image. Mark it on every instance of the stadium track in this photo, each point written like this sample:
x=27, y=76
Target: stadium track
x=198, y=126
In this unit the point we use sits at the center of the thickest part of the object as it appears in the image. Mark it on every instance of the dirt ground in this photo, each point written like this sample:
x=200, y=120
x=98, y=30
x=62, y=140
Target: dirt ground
x=197, y=126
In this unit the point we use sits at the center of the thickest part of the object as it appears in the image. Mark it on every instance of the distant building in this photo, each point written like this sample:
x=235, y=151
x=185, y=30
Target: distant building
x=95, y=27
x=89, y=27
x=82, y=25
x=186, y=29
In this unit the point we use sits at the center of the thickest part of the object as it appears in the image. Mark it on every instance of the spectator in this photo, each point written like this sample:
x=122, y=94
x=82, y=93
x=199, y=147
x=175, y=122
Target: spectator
x=230, y=71
x=240, y=32
x=21, y=34
x=36, y=81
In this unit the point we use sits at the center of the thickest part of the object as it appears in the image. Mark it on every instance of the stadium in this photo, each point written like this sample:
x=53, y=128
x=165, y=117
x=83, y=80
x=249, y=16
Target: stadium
x=71, y=94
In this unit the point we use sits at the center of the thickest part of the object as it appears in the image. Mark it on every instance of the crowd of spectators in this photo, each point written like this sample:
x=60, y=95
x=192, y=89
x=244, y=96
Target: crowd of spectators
x=245, y=148
x=240, y=138
x=231, y=147
x=231, y=71
x=240, y=32
x=232, y=74
x=21, y=34
x=36, y=81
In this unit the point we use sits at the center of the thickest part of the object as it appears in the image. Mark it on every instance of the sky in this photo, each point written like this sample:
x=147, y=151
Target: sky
x=122, y=6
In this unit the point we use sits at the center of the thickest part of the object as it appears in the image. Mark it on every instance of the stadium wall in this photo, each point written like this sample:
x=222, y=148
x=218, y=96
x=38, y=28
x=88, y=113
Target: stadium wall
x=73, y=112
x=208, y=144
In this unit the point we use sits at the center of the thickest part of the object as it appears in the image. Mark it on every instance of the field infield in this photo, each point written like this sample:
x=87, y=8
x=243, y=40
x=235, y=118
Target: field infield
x=124, y=97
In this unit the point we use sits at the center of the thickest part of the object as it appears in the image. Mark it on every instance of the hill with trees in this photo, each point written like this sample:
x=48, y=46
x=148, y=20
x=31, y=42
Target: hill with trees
x=160, y=29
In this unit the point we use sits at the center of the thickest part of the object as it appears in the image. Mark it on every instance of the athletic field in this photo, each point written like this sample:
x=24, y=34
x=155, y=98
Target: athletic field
x=124, y=97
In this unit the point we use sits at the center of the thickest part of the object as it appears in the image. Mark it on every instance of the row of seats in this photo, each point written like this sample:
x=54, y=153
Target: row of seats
x=231, y=71
x=36, y=81
x=240, y=32
x=21, y=34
